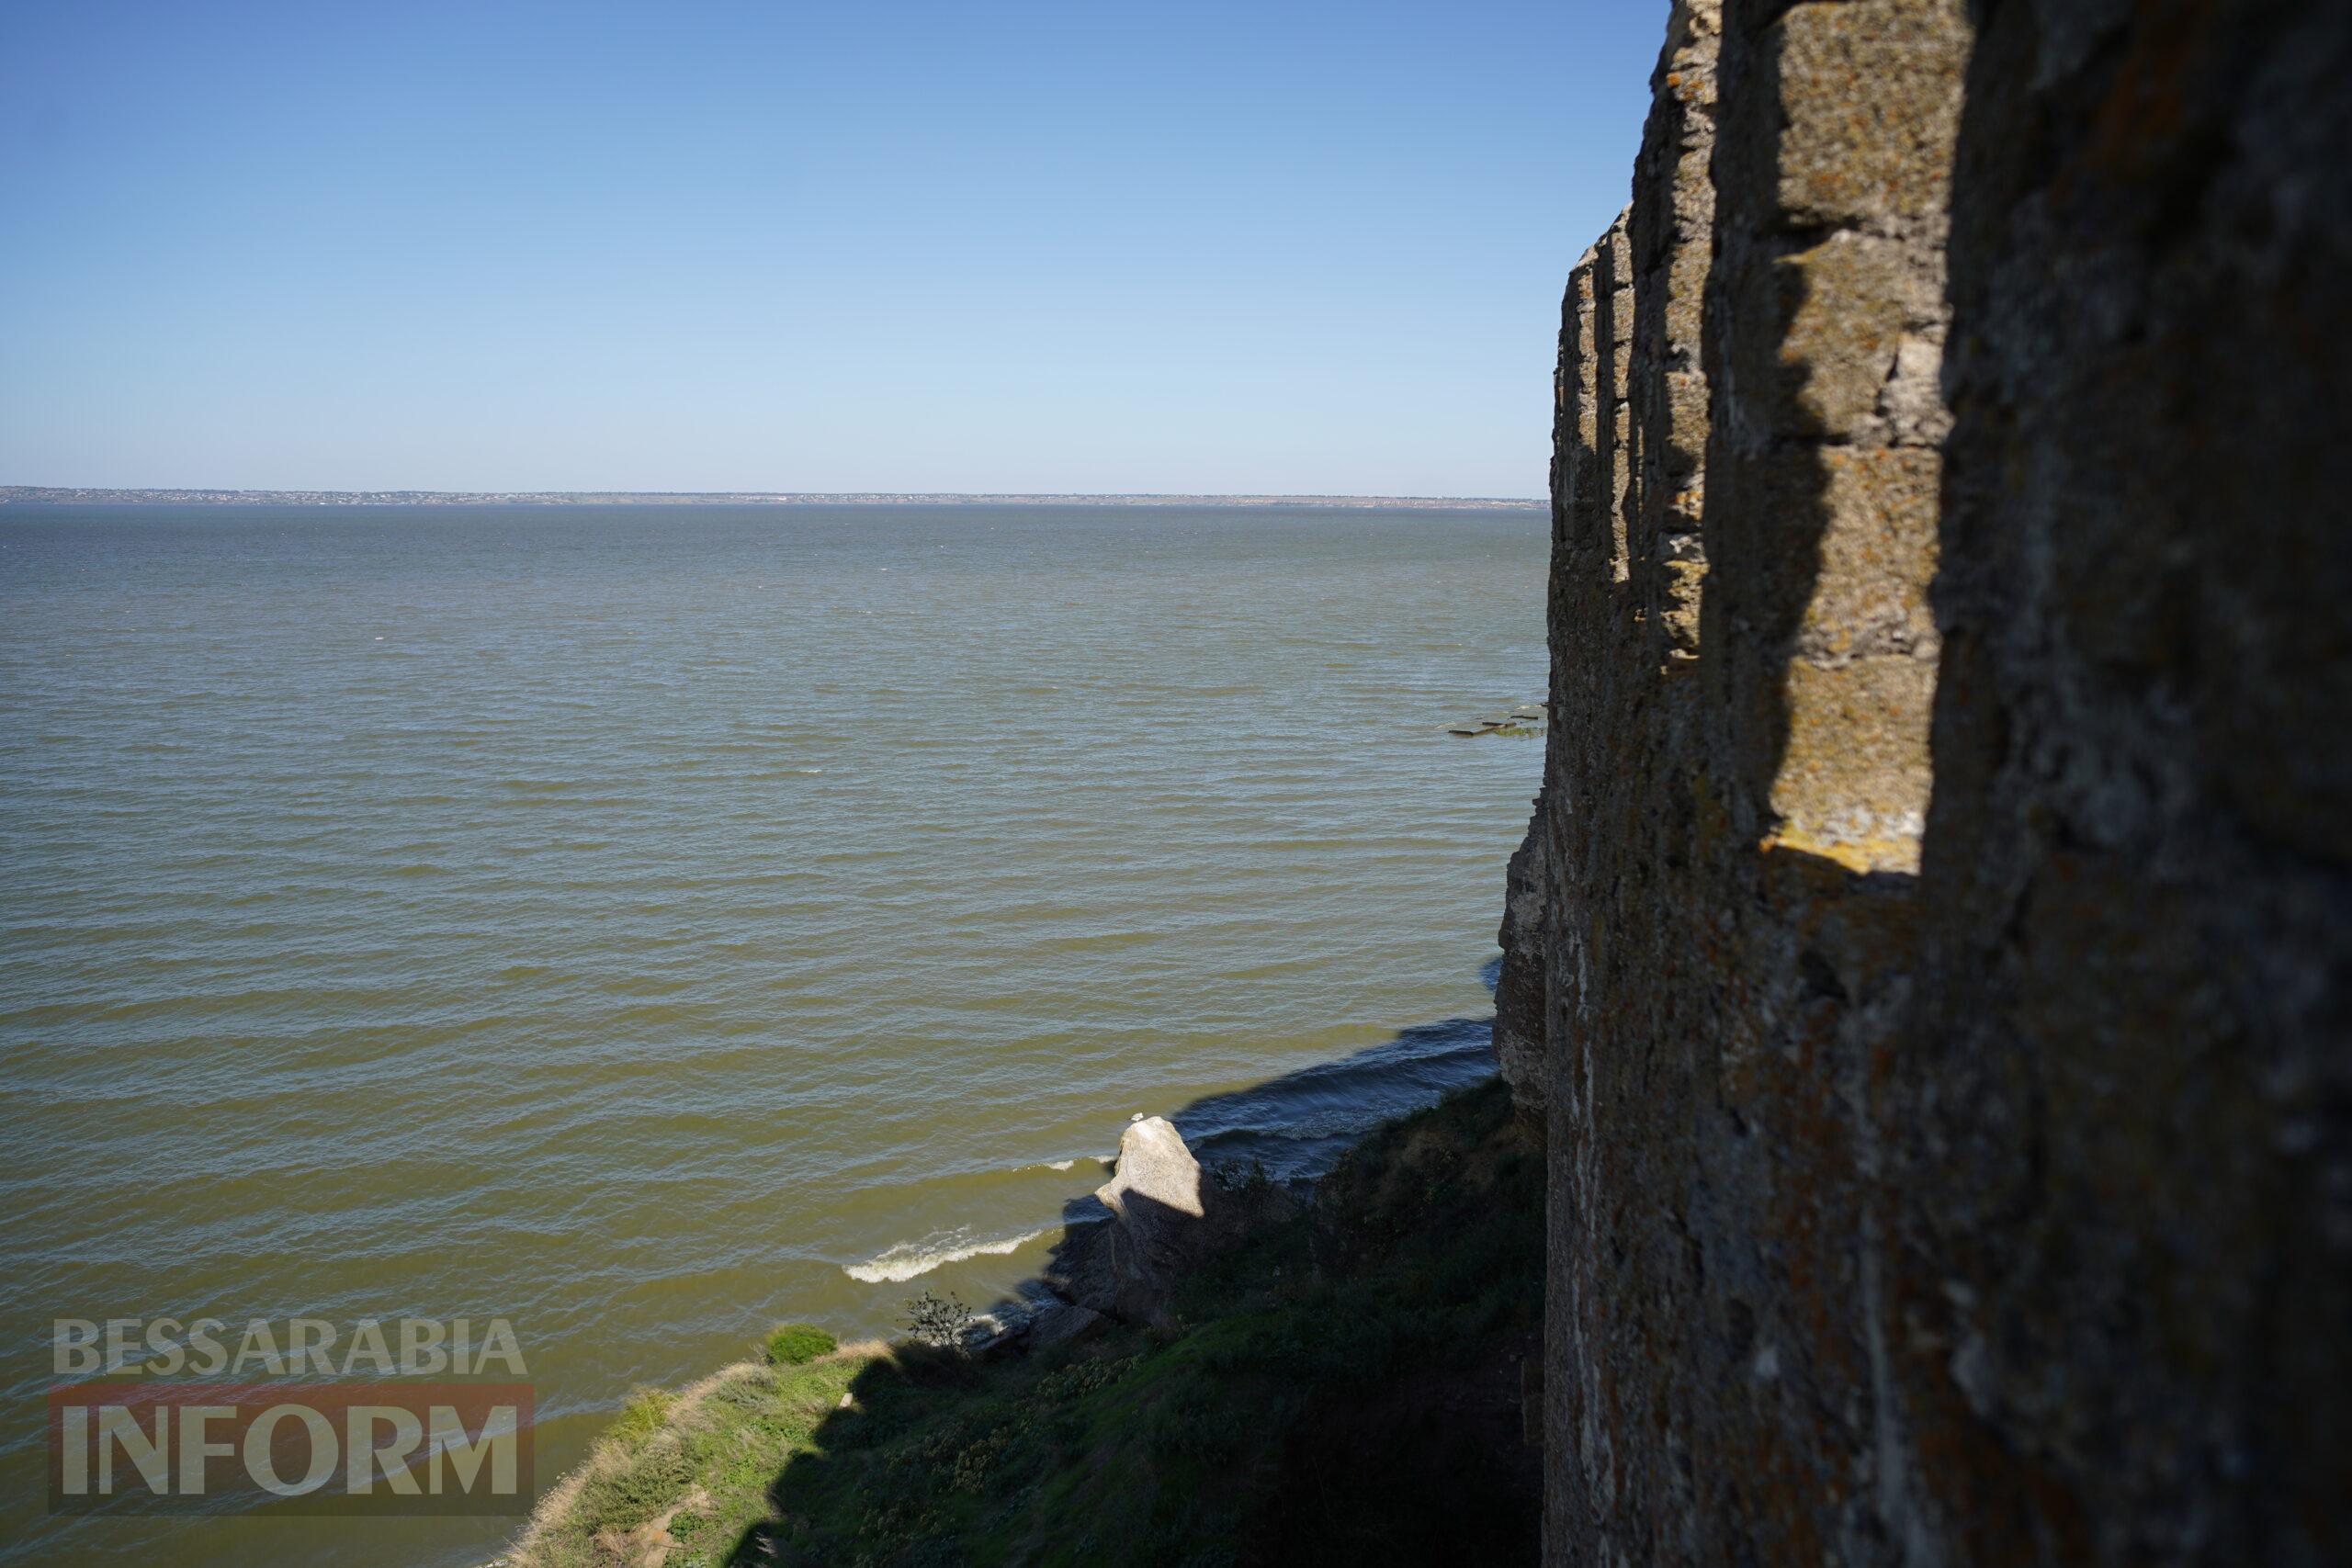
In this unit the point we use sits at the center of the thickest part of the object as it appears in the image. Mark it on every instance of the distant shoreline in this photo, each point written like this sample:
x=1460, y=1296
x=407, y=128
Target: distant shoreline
x=100, y=496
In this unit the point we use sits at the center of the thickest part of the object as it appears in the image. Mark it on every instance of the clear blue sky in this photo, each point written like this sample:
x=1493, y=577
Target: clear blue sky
x=1267, y=246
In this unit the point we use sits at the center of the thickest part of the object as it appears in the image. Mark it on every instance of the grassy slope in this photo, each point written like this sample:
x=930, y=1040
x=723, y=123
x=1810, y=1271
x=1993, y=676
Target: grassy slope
x=1346, y=1391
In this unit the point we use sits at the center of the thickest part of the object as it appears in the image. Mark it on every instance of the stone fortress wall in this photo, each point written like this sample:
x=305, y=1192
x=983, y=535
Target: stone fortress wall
x=1931, y=957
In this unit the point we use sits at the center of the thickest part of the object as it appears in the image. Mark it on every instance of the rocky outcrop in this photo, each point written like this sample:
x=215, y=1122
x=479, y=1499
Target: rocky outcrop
x=1061, y=1322
x=1939, y=910
x=1167, y=1217
x=1158, y=1199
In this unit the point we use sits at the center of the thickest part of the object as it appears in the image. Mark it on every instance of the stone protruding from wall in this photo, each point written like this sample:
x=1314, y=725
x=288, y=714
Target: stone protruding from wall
x=1520, y=981
x=1939, y=902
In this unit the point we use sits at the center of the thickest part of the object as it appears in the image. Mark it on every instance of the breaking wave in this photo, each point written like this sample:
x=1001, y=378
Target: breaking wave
x=911, y=1260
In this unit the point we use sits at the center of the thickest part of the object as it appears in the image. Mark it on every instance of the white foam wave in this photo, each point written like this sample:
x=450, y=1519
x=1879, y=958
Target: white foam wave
x=909, y=1260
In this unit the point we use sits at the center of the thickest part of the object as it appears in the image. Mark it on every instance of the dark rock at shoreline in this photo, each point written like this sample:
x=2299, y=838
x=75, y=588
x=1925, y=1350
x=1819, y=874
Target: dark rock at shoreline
x=1167, y=1216
x=1064, y=1323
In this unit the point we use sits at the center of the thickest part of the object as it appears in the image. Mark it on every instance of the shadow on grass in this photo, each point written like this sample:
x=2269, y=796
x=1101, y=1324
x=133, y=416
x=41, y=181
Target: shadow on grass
x=1344, y=1386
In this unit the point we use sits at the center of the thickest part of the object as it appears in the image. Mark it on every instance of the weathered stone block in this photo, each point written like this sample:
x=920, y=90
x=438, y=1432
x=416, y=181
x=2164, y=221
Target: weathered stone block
x=1876, y=556
x=1852, y=781
x=1863, y=92
x=1828, y=322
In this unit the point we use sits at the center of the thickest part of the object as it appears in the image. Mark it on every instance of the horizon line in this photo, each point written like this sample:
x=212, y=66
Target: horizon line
x=227, y=495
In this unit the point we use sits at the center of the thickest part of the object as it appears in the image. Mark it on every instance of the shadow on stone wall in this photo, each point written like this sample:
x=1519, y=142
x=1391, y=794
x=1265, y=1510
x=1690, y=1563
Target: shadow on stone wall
x=1948, y=1157
x=1744, y=666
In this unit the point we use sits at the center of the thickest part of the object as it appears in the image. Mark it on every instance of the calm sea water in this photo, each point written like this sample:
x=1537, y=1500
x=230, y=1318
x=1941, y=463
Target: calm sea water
x=647, y=924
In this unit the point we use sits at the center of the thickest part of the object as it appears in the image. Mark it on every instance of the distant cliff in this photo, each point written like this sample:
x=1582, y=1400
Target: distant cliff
x=1932, y=952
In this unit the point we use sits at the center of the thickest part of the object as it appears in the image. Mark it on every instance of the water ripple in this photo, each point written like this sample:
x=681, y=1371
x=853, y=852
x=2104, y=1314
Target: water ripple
x=675, y=922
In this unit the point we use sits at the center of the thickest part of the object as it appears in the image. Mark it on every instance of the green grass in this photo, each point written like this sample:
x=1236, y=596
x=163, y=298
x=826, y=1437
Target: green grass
x=1345, y=1390
x=797, y=1344
x=643, y=1415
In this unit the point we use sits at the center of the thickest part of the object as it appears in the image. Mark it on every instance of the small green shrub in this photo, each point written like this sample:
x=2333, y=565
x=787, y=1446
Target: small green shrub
x=642, y=1416
x=938, y=1322
x=793, y=1344
x=1083, y=1378
x=644, y=1486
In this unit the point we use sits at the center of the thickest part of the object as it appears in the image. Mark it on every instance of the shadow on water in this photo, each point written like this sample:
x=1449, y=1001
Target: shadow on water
x=1432, y=1435
x=1295, y=1125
